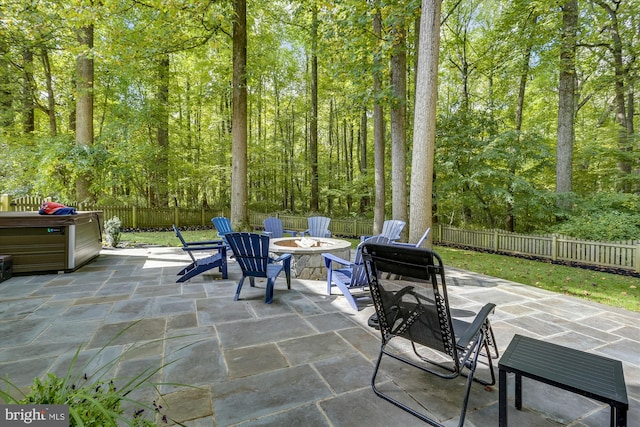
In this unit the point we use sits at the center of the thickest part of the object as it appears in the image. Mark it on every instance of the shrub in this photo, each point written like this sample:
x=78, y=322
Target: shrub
x=604, y=226
x=112, y=232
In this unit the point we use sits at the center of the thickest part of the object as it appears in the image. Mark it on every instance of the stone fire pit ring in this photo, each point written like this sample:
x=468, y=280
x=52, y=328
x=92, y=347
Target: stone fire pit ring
x=306, y=254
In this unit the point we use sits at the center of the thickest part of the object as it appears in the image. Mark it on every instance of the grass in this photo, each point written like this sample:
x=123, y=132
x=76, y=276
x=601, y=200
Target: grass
x=610, y=289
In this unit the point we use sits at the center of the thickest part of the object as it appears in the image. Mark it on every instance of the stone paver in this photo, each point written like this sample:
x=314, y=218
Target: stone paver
x=306, y=359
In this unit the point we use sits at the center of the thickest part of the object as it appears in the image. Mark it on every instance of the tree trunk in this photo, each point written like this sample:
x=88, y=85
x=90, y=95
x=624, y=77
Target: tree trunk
x=347, y=131
x=84, y=106
x=566, y=103
x=398, y=126
x=51, y=102
x=6, y=95
x=623, y=119
x=524, y=76
x=378, y=134
x=28, y=112
x=331, y=160
x=162, y=134
x=424, y=127
x=239, y=191
x=313, y=125
x=365, y=199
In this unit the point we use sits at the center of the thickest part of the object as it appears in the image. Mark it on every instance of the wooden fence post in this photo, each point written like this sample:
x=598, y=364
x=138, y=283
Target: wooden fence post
x=134, y=217
x=5, y=202
x=554, y=247
x=496, y=246
x=176, y=216
x=637, y=258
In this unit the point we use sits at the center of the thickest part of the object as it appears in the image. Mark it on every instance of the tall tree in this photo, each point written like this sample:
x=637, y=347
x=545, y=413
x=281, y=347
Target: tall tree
x=239, y=190
x=398, y=122
x=378, y=129
x=566, y=102
x=84, y=105
x=519, y=110
x=6, y=115
x=313, y=125
x=161, y=184
x=621, y=72
x=424, y=127
x=50, y=108
x=362, y=162
x=28, y=110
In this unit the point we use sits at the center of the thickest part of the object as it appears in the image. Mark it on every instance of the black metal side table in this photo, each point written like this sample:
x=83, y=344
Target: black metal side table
x=587, y=374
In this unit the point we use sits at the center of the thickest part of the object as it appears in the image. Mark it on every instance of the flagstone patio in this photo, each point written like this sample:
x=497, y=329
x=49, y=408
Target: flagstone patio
x=304, y=360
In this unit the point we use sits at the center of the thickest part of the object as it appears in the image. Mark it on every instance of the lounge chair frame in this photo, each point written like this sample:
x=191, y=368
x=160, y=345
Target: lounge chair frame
x=409, y=294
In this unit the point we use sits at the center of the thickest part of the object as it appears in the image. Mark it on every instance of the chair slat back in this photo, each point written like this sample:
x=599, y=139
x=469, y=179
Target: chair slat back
x=392, y=228
x=184, y=243
x=222, y=224
x=408, y=287
x=274, y=226
x=318, y=226
x=251, y=251
x=358, y=275
x=423, y=238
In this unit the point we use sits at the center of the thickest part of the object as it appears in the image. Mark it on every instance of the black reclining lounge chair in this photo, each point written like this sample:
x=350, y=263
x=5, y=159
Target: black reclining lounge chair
x=410, y=297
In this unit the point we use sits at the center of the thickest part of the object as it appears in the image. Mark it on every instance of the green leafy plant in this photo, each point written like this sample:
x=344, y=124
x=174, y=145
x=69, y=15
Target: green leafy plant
x=93, y=400
x=112, y=231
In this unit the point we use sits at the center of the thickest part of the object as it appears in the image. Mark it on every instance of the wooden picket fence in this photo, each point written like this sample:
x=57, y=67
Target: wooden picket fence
x=625, y=255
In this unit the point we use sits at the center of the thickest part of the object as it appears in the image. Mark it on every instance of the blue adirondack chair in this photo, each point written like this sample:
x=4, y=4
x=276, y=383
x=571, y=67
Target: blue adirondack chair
x=274, y=229
x=318, y=227
x=419, y=243
x=223, y=225
x=352, y=274
x=198, y=266
x=391, y=228
x=251, y=251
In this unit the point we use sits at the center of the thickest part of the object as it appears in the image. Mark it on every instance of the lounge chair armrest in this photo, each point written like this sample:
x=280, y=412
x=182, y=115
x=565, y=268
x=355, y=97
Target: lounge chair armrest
x=329, y=258
x=267, y=233
x=473, y=329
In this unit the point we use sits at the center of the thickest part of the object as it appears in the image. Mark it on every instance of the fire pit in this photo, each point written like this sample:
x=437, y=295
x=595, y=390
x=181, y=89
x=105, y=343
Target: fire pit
x=306, y=253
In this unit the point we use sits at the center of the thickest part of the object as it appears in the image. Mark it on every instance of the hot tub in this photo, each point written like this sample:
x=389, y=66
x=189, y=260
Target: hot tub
x=50, y=243
x=306, y=254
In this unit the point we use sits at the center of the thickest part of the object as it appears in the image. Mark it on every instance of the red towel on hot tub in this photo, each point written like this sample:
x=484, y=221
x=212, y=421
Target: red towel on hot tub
x=53, y=208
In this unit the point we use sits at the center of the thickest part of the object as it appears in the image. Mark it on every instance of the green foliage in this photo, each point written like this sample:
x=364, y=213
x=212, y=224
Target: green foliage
x=604, y=217
x=112, y=231
x=93, y=400
x=489, y=170
x=486, y=166
x=90, y=403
